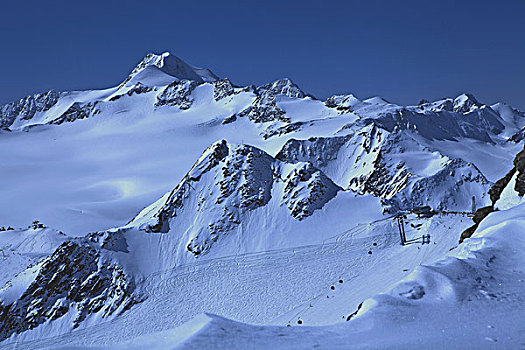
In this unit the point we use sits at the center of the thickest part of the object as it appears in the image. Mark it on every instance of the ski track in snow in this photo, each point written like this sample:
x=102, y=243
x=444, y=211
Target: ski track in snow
x=116, y=150
x=274, y=287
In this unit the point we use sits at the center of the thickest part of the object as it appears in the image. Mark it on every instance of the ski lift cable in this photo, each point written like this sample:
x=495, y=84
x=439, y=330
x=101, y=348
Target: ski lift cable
x=312, y=301
x=431, y=250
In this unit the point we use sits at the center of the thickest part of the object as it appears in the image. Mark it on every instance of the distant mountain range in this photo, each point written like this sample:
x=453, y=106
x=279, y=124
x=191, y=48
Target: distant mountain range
x=176, y=165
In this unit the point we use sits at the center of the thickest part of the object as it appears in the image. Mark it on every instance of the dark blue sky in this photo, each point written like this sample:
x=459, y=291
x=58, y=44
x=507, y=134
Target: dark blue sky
x=401, y=50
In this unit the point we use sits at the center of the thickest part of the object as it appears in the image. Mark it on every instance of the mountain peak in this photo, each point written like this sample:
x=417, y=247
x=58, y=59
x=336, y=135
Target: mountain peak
x=466, y=103
x=172, y=66
x=283, y=86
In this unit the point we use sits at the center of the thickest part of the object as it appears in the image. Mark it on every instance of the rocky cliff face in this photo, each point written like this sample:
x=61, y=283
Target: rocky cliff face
x=177, y=94
x=26, y=108
x=75, y=281
x=327, y=154
x=284, y=87
x=227, y=183
x=506, y=192
x=264, y=109
x=77, y=111
x=374, y=161
x=223, y=88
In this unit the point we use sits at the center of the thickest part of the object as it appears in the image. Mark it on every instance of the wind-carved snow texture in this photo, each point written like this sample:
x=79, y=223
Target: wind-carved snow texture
x=177, y=94
x=27, y=107
x=75, y=277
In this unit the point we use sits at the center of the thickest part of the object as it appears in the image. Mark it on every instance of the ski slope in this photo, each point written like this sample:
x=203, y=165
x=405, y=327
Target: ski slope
x=277, y=287
x=471, y=298
x=282, y=226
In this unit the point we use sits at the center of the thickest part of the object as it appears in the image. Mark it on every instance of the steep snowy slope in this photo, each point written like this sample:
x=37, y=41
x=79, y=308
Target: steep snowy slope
x=471, y=297
x=280, y=170
x=394, y=167
x=20, y=248
x=234, y=200
x=101, y=156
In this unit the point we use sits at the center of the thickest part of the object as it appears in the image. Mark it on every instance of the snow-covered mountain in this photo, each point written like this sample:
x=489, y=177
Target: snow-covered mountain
x=121, y=148
x=124, y=169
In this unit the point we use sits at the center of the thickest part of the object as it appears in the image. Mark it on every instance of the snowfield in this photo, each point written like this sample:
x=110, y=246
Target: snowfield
x=201, y=214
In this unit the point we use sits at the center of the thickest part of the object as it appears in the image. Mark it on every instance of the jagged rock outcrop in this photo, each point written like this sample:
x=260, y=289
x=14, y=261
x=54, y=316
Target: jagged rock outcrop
x=77, y=111
x=136, y=89
x=307, y=189
x=75, y=277
x=342, y=103
x=375, y=161
x=264, y=109
x=519, y=165
x=27, y=107
x=223, y=88
x=282, y=130
x=227, y=183
x=282, y=87
x=177, y=94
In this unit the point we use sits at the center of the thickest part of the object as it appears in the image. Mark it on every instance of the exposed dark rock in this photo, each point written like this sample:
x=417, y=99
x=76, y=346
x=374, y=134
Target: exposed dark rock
x=135, y=90
x=27, y=107
x=282, y=87
x=468, y=233
x=77, y=111
x=177, y=94
x=496, y=190
x=229, y=119
x=519, y=165
x=354, y=313
x=264, y=109
x=223, y=88
x=74, y=276
x=482, y=213
x=283, y=130
x=306, y=190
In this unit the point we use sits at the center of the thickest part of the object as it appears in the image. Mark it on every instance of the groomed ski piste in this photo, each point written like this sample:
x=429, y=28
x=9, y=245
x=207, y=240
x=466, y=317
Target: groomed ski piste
x=311, y=287
x=436, y=295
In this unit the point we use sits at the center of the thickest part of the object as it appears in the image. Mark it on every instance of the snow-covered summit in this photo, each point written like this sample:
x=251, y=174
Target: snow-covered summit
x=466, y=103
x=149, y=70
x=282, y=87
